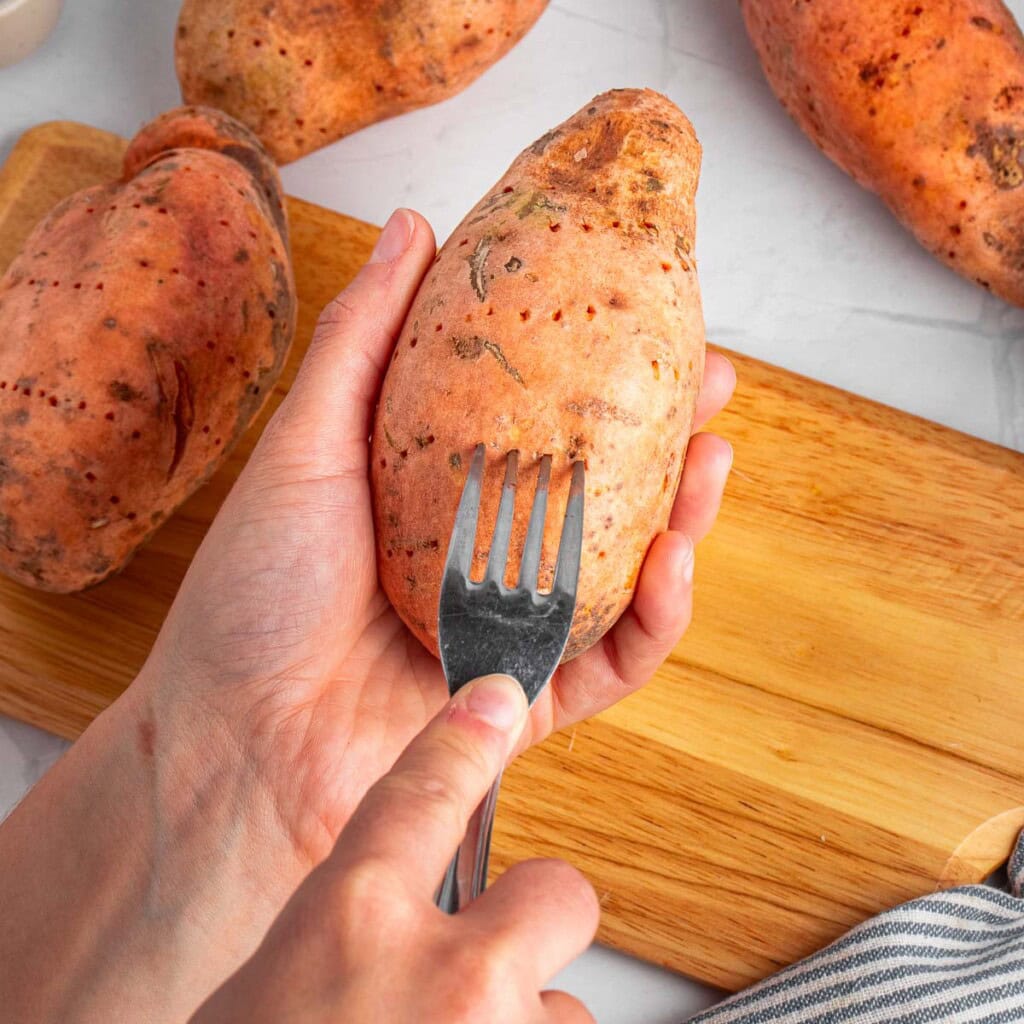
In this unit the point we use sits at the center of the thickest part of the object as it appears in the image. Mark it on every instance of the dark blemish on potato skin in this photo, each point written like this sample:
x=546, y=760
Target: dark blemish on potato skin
x=99, y=566
x=455, y=460
x=434, y=72
x=473, y=347
x=599, y=409
x=469, y=43
x=1007, y=97
x=110, y=323
x=18, y=418
x=392, y=443
x=499, y=201
x=31, y=567
x=539, y=202
x=184, y=415
x=242, y=256
x=869, y=72
x=603, y=140
x=123, y=392
x=513, y=264
x=543, y=142
x=1002, y=148
x=468, y=348
x=477, y=260
x=983, y=23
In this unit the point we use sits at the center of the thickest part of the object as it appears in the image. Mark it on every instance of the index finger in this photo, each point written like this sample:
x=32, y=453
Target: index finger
x=414, y=818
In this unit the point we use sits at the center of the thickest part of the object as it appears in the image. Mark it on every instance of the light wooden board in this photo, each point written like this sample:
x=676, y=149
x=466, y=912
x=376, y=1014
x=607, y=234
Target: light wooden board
x=839, y=731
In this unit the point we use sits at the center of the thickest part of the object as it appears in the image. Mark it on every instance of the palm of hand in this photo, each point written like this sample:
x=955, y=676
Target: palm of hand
x=281, y=631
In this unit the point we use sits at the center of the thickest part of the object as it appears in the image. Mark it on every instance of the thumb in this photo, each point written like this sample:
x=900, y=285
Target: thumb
x=414, y=817
x=326, y=417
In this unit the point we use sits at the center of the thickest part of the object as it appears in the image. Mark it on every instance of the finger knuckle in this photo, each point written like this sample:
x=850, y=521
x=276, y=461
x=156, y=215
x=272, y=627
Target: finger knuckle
x=367, y=895
x=483, y=979
x=334, y=318
x=434, y=791
x=449, y=776
x=365, y=887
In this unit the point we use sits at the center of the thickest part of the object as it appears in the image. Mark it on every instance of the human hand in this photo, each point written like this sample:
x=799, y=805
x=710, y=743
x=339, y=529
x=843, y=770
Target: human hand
x=361, y=939
x=283, y=683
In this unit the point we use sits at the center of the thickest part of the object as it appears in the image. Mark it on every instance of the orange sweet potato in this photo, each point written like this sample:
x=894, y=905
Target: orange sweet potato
x=563, y=316
x=144, y=324
x=921, y=102
x=302, y=75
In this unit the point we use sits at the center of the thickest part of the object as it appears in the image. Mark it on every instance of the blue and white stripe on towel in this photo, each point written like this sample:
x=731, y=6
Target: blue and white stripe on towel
x=955, y=957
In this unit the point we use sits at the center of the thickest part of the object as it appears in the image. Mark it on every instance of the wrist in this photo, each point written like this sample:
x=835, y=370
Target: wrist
x=220, y=861
x=146, y=863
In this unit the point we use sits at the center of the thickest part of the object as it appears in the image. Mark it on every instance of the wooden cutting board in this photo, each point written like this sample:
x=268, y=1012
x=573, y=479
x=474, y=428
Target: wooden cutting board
x=840, y=730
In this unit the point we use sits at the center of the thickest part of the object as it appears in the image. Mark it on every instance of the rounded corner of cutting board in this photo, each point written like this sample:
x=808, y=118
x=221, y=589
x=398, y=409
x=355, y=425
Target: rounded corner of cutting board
x=983, y=851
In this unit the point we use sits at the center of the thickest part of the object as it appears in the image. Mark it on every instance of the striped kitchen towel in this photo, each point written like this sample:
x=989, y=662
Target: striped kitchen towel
x=955, y=957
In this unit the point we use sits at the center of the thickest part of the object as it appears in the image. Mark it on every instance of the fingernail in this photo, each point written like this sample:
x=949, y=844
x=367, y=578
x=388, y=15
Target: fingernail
x=685, y=556
x=394, y=239
x=497, y=700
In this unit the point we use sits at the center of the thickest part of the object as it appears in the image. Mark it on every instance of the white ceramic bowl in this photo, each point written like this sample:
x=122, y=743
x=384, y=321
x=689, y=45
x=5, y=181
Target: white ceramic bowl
x=24, y=24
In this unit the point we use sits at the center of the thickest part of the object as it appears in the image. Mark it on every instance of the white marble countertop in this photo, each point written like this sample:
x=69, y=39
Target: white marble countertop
x=798, y=265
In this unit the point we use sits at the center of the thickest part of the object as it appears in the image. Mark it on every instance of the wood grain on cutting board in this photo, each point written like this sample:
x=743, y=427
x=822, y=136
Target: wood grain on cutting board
x=839, y=731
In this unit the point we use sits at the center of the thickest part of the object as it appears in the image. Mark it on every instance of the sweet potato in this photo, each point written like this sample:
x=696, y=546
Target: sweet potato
x=302, y=75
x=922, y=103
x=563, y=317
x=144, y=324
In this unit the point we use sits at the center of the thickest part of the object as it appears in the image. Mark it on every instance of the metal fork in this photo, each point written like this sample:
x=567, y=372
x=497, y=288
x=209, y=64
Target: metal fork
x=485, y=627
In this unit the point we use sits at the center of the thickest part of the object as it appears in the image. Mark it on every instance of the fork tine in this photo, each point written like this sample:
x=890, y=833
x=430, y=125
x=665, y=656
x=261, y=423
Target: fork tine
x=503, y=525
x=530, y=562
x=460, y=548
x=570, y=547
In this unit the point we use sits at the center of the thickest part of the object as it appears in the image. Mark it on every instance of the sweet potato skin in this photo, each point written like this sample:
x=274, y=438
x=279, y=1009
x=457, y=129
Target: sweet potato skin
x=922, y=103
x=562, y=316
x=144, y=323
x=302, y=75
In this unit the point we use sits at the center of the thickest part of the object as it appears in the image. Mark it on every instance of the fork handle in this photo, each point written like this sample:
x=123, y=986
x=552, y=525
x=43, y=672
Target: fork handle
x=466, y=876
